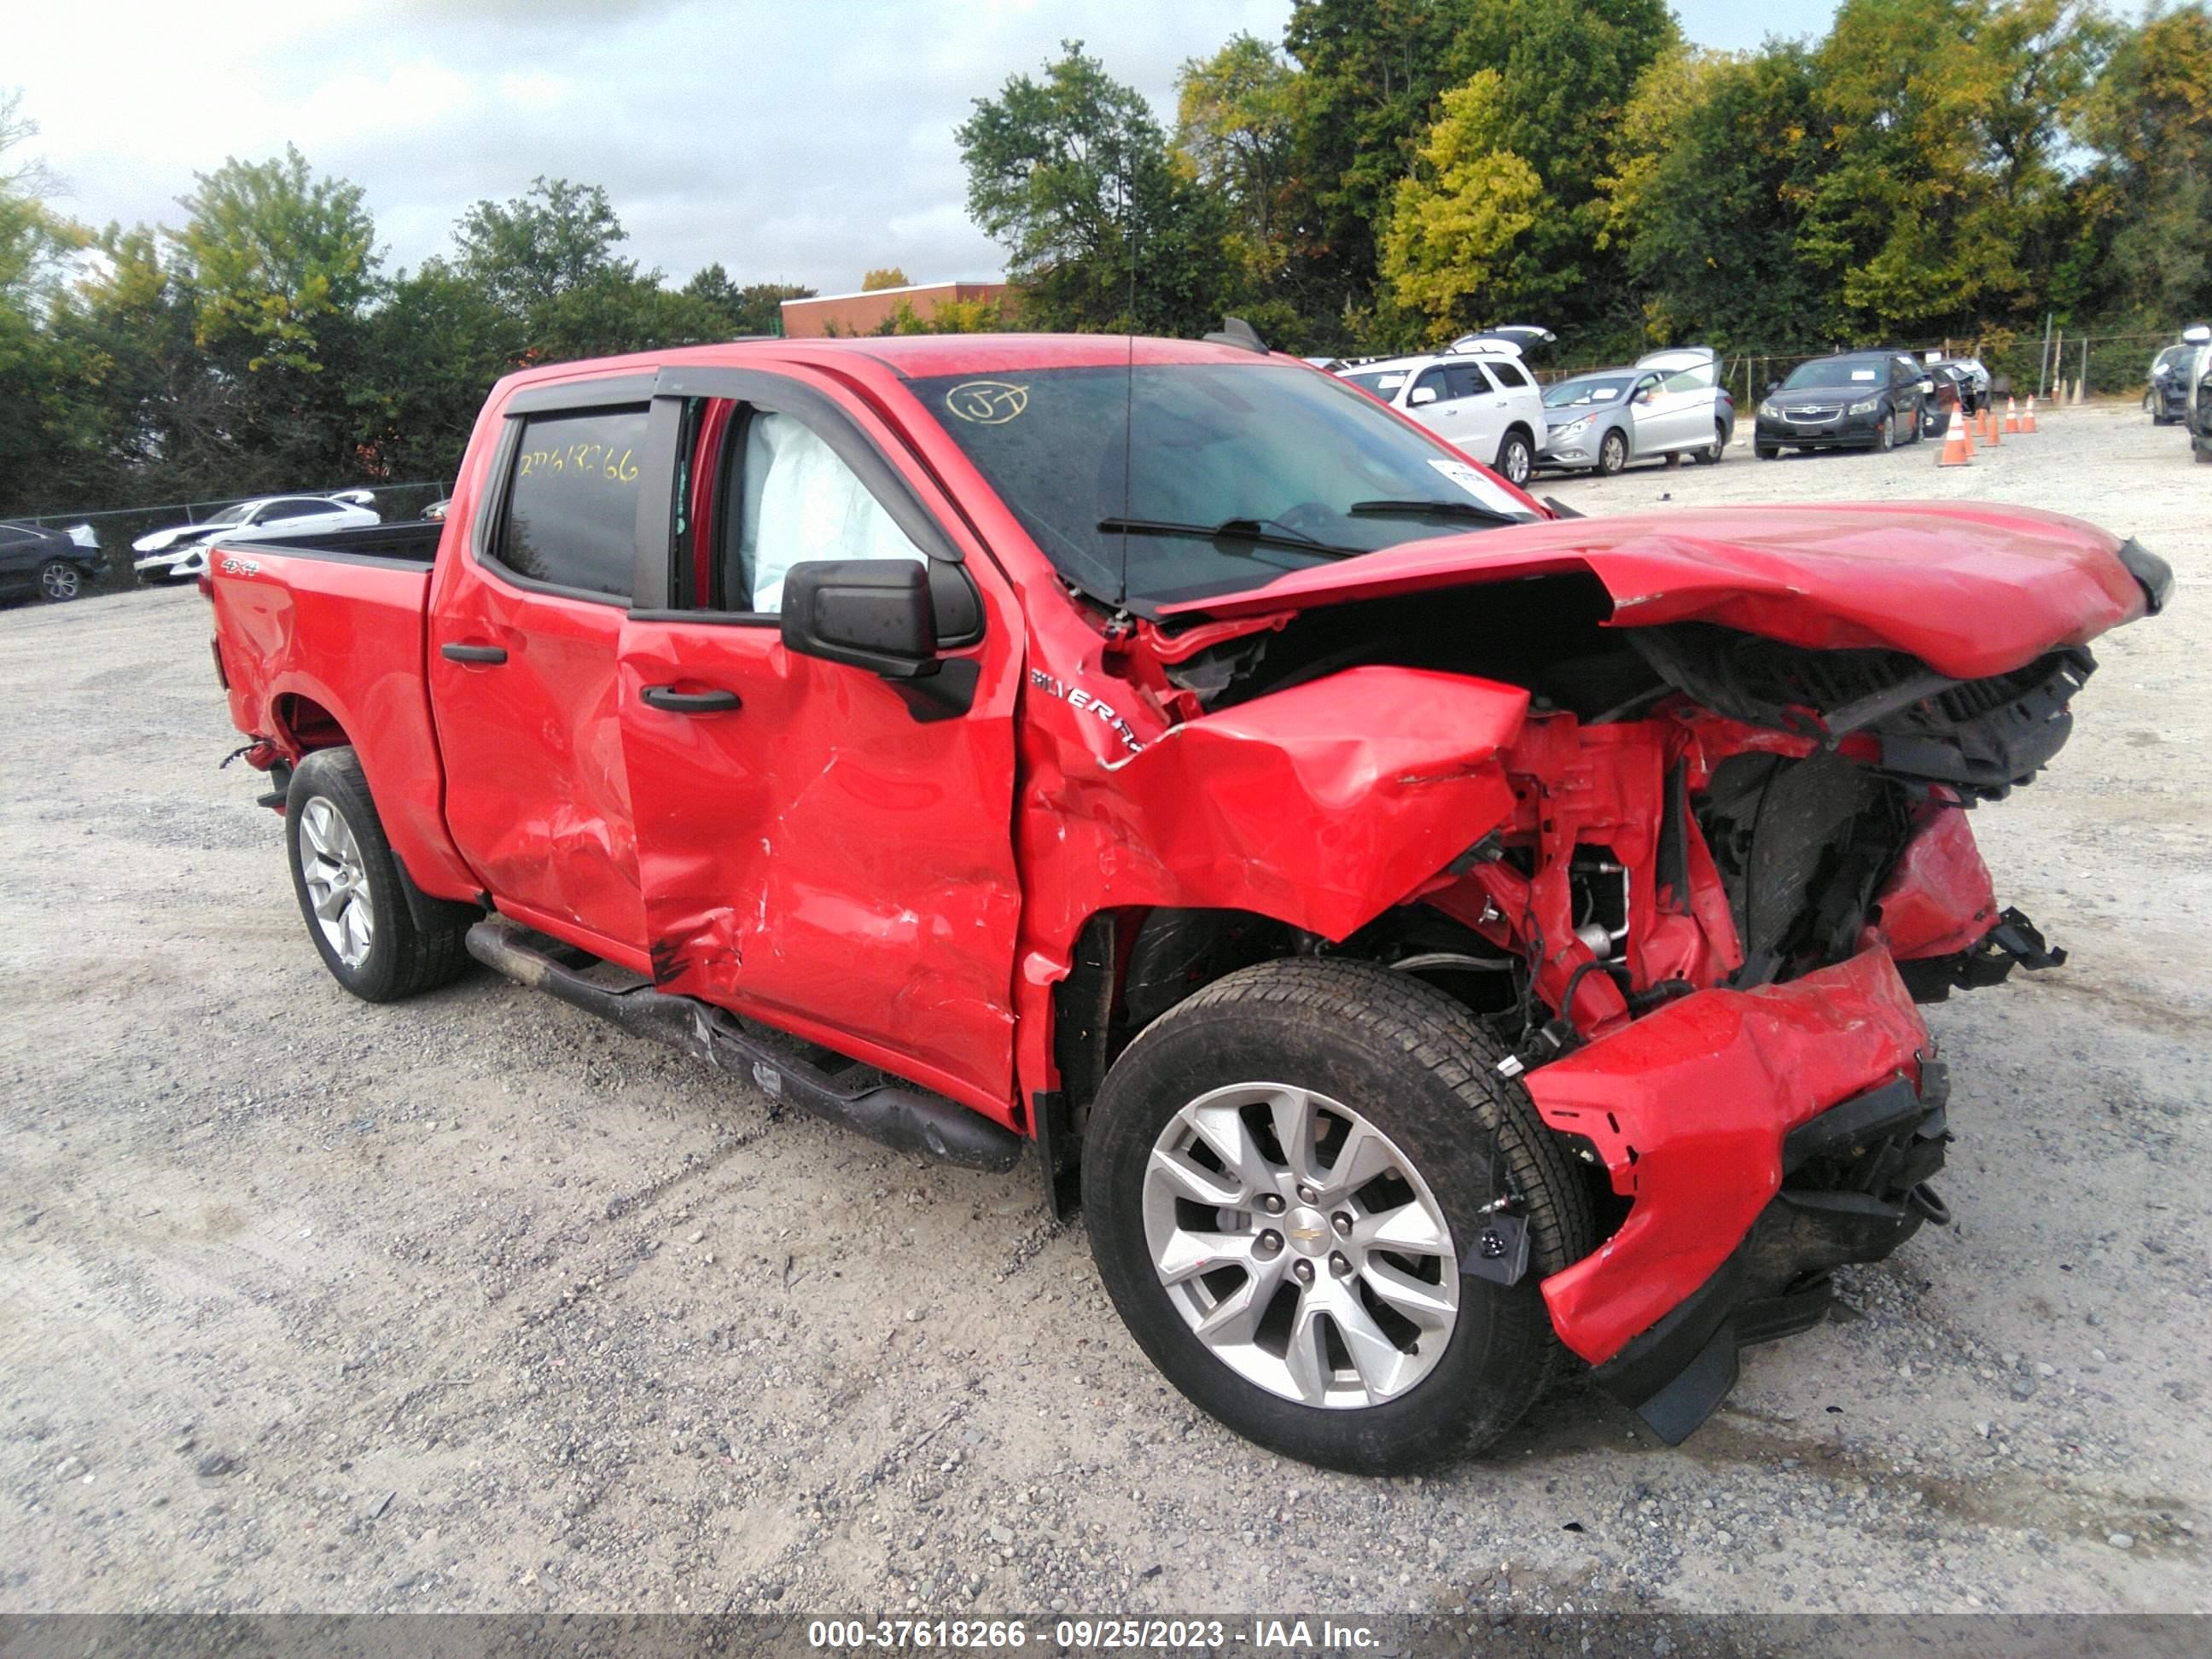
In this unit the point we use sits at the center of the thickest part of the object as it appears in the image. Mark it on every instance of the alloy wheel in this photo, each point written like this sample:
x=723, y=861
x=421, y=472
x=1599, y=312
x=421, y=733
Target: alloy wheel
x=1300, y=1245
x=60, y=581
x=337, y=881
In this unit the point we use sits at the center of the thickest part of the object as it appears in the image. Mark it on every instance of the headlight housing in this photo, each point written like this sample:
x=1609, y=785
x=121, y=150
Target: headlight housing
x=1572, y=429
x=1770, y=412
x=1864, y=406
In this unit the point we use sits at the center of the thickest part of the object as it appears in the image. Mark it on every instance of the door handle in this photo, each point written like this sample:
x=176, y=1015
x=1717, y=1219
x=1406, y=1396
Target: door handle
x=473, y=653
x=688, y=702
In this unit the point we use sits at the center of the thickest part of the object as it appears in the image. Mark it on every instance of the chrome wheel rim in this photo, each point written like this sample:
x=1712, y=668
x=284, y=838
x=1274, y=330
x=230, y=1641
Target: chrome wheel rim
x=1517, y=464
x=1301, y=1246
x=59, y=580
x=1612, y=453
x=337, y=881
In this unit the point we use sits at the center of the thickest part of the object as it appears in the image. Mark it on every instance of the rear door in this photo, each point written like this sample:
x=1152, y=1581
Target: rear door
x=817, y=848
x=1523, y=399
x=525, y=626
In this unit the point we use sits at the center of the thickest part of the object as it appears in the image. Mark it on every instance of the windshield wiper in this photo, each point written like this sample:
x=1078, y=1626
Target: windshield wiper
x=1449, y=509
x=1253, y=531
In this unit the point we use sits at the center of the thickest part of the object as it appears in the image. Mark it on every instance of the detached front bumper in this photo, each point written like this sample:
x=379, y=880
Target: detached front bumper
x=1764, y=1138
x=172, y=565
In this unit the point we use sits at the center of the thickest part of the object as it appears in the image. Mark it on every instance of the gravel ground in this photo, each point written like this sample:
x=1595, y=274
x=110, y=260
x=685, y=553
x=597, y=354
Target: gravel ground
x=474, y=1303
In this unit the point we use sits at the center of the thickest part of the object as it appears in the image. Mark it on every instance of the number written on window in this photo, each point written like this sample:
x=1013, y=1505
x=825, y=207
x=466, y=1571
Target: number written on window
x=571, y=518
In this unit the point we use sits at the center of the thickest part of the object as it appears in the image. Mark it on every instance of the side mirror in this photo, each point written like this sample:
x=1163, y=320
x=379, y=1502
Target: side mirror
x=1773, y=386
x=1425, y=394
x=874, y=614
x=2196, y=334
x=1928, y=388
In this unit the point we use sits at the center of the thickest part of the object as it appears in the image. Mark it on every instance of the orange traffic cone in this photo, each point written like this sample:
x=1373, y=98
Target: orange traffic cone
x=1958, y=447
x=1991, y=430
x=2027, y=421
x=2011, y=416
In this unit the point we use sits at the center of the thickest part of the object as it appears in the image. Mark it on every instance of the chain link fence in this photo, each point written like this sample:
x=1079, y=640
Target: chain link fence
x=116, y=528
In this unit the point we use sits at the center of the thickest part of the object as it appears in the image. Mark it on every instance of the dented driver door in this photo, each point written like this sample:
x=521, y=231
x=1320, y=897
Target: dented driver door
x=814, y=850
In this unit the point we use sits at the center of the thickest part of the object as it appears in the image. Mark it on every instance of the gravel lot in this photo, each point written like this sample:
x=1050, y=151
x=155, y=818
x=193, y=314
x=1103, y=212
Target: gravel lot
x=473, y=1303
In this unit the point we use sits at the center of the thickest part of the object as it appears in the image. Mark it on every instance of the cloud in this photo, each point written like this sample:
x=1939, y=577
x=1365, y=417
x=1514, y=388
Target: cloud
x=788, y=141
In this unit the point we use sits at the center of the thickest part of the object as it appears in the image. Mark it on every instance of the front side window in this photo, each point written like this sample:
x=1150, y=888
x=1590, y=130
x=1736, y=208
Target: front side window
x=798, y=501
x=1163, y=482
x=571, y=517
x=1435, y=380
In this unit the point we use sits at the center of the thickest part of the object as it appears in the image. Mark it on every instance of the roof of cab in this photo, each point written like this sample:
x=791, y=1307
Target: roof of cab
x=917, y=357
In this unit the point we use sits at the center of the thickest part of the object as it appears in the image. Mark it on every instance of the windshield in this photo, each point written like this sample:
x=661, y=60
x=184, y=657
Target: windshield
x=1205, y=458
x=1836, y=372
x=229, y=515
x=2175, y=357
x=1574, y=394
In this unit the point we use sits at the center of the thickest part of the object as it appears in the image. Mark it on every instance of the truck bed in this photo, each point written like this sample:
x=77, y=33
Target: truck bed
x=322, y=640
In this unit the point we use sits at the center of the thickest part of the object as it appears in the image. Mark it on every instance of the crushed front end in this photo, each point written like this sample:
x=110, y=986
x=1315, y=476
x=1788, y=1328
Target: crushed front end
x=1727, y=907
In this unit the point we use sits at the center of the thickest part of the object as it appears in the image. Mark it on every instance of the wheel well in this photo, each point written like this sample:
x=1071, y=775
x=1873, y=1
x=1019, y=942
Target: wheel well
x=307, y=723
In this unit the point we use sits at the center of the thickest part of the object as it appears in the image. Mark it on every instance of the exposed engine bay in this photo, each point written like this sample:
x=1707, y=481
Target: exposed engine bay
x=1694, y=806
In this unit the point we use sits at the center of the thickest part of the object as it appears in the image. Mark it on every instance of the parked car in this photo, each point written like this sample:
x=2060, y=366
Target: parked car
x=2167, y=398
x=1975, y=380
x=1854, y=400
x=1526, y=340
x=179, y=553
x=1483, y=401
x=1539, y=974
x=1669, y=405
x=436, y=511
x=53, y=564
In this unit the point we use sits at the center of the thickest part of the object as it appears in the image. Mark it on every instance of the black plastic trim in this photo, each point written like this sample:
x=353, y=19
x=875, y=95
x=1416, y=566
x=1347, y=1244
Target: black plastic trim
x=584, y=392
x=905, y=1119
x=2153, y=574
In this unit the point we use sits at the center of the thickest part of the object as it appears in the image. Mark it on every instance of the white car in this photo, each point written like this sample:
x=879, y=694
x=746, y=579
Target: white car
x=180, y=552
x=1483, y=402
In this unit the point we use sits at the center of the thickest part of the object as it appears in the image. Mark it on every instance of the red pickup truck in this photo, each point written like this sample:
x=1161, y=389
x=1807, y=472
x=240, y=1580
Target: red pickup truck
x=1439, y=938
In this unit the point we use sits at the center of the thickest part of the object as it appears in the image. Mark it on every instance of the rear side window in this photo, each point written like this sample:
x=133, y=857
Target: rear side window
x=1510, y=373
x=571, y=513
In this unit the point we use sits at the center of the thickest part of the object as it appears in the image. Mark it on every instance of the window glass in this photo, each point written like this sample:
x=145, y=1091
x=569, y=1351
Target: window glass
x=1698, y=377
x=1384, y=383
x=293, y=510
x=799, y=502
x=1510, y=373
x=571, y=516
x=1432, y=380
x=1466, y=381
x=1576, y=394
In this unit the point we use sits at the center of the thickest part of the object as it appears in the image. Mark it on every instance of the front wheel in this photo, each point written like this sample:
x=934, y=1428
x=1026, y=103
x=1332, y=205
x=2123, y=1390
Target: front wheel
x=1612, y=453
x=349, y=889
x=1288, y=1181
x=1515, y=458
x=1884, y=437
x=1767, y=451
x=60, y=581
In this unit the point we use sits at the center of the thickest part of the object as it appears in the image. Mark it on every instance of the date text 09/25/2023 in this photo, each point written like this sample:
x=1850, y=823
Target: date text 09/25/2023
x=1081, y=1635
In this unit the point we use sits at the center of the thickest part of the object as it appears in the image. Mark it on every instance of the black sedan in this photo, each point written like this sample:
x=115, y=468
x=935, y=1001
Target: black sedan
x=1855, y=400
x=47, y=563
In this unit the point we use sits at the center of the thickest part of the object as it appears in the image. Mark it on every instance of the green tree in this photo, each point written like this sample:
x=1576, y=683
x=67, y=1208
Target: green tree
x=883, y=278
x=1236, y=122
x=435, y=349
x=1104, y=226
x=42, y=409
x=2148, y=196
x=529, y=250
x=1717, y=156
x=752, y=308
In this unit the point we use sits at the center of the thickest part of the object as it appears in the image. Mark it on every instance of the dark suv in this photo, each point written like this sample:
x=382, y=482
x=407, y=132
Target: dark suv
x=1855, y=400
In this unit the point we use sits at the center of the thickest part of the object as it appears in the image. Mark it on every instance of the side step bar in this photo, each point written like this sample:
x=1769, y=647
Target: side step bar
x=906, y=1119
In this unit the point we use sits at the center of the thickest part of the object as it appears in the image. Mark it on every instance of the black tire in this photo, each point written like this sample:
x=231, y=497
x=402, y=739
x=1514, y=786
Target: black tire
x=1714, y=452
x=1423, y=1072
x=402, y=959
x=60, y=581
x=1612, y=452
x=1516, y=458
x=1767, y=451
x=1884, y=435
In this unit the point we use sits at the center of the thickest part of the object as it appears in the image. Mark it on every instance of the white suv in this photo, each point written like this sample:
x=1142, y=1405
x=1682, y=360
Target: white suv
x=1483, y=402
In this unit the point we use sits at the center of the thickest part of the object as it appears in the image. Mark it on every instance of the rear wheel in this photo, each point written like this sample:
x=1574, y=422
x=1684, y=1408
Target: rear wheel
x=1287, y=1181
x=1712, y=453
x=60, y=581
x=349, y=889
x=1515, y=458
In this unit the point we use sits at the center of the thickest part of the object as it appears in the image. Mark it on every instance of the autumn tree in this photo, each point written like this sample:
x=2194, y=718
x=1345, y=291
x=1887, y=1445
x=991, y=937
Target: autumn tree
x=2148, y=198
x=1459, y=247
x=883, y=277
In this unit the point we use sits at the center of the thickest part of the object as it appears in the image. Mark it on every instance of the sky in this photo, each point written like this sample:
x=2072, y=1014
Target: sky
x=805, y=141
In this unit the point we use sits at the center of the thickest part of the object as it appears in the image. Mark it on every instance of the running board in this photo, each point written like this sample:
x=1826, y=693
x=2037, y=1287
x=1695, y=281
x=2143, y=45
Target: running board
x=906, y=1119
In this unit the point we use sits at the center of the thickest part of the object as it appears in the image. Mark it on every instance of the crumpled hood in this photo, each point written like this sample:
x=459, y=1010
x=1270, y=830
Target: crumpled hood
x=164, y=541
x=1971, y=589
